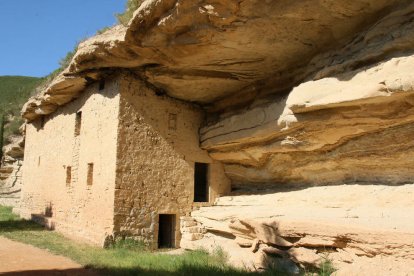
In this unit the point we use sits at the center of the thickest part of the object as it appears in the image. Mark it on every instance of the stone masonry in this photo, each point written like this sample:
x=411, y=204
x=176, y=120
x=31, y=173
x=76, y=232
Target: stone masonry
x=132, y=159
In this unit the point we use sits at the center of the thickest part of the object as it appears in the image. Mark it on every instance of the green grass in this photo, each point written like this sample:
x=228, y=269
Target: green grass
x=128, y=257
x=326, y=268
x=122, y=259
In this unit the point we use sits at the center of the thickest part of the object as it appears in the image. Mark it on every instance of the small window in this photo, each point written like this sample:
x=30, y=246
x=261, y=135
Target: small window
x=78, y=123
x=101, y=85
x=42, y=122
x=68, y=175
x=172, y=121
x=89, y=179
x=201, y=182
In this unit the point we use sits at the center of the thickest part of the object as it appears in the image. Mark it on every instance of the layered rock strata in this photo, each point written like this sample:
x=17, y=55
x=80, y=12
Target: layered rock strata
x=332, y=130
x=222, y=53
x=11, y=172
x=297, y=92
x=353, y=226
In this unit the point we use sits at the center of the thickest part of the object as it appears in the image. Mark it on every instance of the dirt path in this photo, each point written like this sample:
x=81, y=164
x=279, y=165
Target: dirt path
x=21, y=259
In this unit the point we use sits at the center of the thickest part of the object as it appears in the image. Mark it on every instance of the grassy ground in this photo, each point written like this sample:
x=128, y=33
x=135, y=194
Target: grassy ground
x=121, y=260
x=124, y=258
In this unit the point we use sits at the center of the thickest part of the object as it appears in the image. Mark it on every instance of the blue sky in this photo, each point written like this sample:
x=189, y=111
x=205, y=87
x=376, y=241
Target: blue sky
x=36, y=34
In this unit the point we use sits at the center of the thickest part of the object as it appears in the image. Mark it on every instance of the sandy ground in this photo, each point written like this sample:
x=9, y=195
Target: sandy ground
x=21, y=259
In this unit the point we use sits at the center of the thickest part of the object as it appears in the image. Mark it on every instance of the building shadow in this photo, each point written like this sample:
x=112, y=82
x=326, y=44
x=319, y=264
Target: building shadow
x=184, y=270
x=19, y=225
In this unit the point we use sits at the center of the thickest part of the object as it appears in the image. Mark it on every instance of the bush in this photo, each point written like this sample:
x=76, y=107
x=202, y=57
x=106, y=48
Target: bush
x=64, y=62
x=131, y=7
x=101, y=31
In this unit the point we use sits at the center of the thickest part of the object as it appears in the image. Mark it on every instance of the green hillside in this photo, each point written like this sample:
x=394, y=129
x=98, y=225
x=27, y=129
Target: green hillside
x=14, y=91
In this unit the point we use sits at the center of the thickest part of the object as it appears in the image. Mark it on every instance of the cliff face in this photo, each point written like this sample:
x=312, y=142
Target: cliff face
x=11, y=172
x=296, y=91
x=353, y=127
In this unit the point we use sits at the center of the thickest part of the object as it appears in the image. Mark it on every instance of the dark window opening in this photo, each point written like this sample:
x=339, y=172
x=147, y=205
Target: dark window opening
x=78, y=123
x=49, y=210
x=101, y=85
x=89, y=179
x=68, y=175
x=201, y=182
x=166, y=231
x=42, y=121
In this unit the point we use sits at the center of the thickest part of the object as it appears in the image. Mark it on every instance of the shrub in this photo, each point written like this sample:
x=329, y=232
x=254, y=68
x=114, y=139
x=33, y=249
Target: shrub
x=64, y=62
x=131, y=7
x=101, y=31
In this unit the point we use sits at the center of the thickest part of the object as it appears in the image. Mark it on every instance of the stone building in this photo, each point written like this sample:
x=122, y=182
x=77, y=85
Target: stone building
x=119, y=161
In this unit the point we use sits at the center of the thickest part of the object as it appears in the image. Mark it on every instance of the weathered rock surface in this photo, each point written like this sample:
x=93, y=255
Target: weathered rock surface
x=346, y=224
x=222, y=53
x=332, y=130
x=350, y=63
x=10, y=184
x=11, y=170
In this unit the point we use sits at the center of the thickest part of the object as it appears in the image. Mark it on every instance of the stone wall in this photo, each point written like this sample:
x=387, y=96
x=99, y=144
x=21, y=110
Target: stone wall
x=158, y=145
x=54, y=153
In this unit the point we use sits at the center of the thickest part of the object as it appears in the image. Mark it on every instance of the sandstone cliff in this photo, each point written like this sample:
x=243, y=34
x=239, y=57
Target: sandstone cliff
x=297, y=92
x=11, y=172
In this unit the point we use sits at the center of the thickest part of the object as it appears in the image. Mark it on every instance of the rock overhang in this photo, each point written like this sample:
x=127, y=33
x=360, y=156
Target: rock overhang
x=217, y=53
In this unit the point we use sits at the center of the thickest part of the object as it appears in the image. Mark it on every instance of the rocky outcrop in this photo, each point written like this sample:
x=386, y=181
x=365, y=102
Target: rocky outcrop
x=10, y=184
x=215, y=52
x=353, y=226
x=342, y=124
x=11, y=170
x=304, y=103
x=332, y=130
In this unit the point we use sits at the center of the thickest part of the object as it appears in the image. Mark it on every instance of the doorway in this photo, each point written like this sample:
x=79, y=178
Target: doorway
x=201, y=182
x=166, y=231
